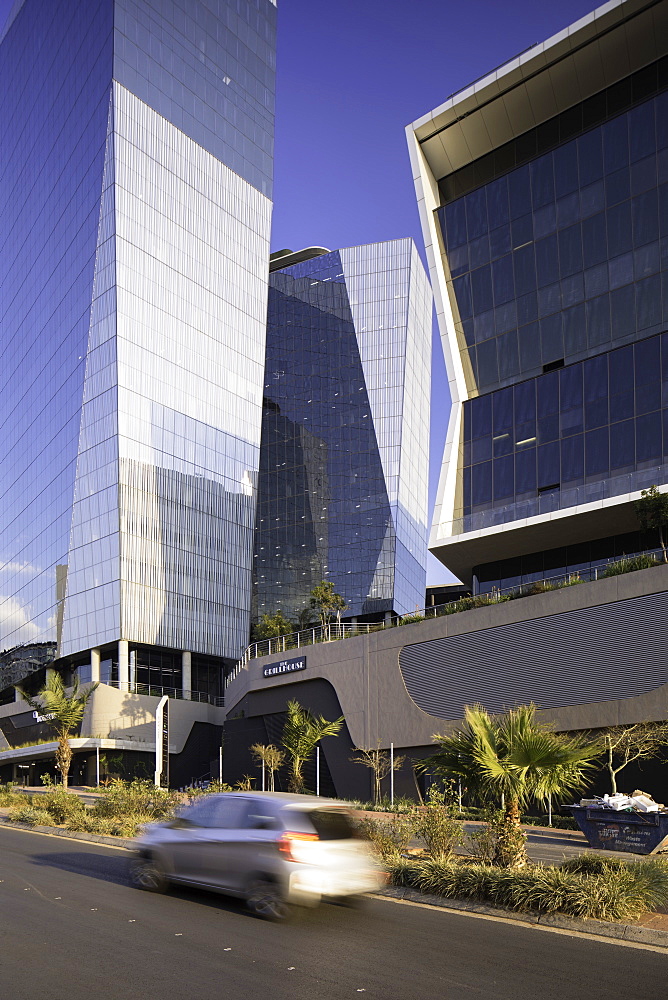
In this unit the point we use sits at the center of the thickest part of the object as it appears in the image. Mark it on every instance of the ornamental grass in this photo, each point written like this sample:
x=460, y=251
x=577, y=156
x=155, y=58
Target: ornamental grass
x=586, y=887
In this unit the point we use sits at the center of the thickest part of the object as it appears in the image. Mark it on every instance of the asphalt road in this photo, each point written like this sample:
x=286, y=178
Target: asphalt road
x=71, y=928
x=552, y=846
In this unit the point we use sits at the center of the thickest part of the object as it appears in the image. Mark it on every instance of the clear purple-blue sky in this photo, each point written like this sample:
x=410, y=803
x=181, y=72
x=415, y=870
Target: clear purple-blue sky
x=351, y=75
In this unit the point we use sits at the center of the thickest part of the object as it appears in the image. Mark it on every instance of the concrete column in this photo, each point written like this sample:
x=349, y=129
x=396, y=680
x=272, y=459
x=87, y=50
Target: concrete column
x=17, y=695
x=388, y=617
x=186, y=674
x=123, y=664
x=94, y=665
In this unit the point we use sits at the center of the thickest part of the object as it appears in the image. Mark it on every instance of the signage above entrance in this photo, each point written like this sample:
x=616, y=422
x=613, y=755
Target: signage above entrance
x=285, y=667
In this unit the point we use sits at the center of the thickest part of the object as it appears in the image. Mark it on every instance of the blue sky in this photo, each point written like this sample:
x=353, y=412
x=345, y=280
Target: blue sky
x=351, y=75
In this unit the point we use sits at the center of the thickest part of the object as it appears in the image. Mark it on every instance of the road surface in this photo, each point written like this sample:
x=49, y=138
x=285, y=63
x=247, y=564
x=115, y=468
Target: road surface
x=72, y=929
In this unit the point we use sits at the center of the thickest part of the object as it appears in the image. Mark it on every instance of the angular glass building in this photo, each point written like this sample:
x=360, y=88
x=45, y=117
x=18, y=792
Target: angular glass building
x=544, y=204
x=342, y=492
x=135, y=207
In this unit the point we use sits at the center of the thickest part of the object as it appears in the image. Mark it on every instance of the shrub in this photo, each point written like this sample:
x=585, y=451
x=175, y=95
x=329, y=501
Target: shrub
x=436, y=826
x=10, y=797
x=481, y=843
x=389, y=836
x=410, y=619
x=558, y=822
x=611, y=894
x=629, y=564
x=64, y=807
x=138, y=797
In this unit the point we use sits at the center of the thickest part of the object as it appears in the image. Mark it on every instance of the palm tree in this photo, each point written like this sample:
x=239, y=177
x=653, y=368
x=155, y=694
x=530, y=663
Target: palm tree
x=513, y=758
x=301, y=733
x=63, y=713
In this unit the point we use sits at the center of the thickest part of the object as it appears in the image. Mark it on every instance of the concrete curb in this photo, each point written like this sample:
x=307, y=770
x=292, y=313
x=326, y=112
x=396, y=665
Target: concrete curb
x=59, y=831
x=631, y=933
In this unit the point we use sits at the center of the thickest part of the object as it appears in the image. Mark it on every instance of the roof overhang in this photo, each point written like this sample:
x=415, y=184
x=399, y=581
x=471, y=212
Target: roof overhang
x=595, y=52
x=570, y=526
x=41, y=751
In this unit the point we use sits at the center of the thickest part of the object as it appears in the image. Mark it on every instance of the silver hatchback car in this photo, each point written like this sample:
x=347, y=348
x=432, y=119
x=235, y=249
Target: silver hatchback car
x=272, y=849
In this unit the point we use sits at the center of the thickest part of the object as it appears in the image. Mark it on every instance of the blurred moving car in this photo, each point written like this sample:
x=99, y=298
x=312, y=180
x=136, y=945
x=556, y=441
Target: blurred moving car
x=273, y=849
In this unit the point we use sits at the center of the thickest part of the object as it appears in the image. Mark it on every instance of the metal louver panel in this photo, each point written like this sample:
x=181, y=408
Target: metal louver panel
x=604, y=653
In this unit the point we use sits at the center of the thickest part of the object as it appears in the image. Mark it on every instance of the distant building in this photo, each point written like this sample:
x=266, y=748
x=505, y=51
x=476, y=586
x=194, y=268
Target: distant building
x=342, y=492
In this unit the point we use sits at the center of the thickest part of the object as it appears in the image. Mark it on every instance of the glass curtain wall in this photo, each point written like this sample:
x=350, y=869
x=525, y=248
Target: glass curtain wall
x=336, y=499
x=556, y=255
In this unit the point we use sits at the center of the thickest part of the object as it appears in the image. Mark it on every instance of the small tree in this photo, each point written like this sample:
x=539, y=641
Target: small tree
x=271, y=757
x=652, y=513
x=515, y=759
x=272, y=626
x=63, y=713
x=623, y=744
x=301, y=734
x=380, y=763
x=326, y=602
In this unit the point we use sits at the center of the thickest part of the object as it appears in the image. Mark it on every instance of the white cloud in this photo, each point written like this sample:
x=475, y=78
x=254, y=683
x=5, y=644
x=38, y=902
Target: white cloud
x=25, y=568
x=15, y=625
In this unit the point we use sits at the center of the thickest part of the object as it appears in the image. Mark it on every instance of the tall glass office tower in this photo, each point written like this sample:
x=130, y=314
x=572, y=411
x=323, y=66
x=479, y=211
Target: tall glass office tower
x=135, y=207
x=342, y=493
x=544, y=204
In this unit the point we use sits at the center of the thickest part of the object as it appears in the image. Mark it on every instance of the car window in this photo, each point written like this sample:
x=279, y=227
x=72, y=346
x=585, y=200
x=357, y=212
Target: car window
x=329, y=824
x=218, y=812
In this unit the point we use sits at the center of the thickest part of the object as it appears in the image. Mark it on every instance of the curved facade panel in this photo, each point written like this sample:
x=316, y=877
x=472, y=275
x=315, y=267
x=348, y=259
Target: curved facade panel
x=572, y=658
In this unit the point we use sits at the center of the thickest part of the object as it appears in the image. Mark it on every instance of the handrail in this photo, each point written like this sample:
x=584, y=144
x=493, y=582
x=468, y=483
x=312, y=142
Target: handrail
x=157, y=691
x=343, y=630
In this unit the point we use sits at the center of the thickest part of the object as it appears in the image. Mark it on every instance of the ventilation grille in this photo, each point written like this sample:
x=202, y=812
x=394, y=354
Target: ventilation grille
x=605, y=653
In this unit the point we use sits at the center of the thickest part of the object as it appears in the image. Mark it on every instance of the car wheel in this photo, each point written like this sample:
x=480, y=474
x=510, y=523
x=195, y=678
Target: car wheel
x=265, y=900
x=148, y=874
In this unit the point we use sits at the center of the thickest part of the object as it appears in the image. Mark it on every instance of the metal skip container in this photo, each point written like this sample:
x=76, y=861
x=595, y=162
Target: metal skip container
x=630, y=832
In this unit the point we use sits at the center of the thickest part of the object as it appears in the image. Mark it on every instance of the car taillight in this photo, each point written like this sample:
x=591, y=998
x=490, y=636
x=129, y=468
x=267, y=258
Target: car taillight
x=293, y=845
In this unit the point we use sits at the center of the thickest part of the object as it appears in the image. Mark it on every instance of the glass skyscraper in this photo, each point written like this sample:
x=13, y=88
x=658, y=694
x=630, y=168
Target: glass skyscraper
x=544, y=198
x=342, y=492
x=135, y=207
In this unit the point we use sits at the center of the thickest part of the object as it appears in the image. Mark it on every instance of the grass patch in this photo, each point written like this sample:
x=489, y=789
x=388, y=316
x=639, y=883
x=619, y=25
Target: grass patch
x=586, y=887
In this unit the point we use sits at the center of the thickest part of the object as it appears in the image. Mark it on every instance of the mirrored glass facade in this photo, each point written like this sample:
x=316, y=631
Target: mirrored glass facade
x=134, y=300
x=561, y=257
x=590, y=430
x=344, y=461
x=543, y=194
